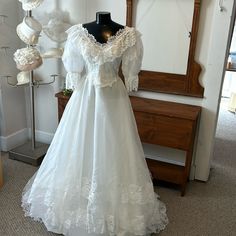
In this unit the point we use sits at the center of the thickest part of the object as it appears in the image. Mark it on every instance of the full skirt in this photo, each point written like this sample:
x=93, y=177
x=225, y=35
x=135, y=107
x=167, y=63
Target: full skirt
x=94, y=179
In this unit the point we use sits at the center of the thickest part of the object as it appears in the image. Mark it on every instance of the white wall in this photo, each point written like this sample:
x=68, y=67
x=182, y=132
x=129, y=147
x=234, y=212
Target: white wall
x=117, y=9
x=211, y=47
x=12, y=100
x=213, y=84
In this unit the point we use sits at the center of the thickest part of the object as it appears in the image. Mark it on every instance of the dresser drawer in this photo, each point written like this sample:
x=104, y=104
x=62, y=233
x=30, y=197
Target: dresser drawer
x=63, y=103
x=166, y=131
x=61, y=106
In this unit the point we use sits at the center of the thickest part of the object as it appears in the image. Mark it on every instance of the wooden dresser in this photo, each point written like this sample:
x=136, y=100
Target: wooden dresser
x=162, y=123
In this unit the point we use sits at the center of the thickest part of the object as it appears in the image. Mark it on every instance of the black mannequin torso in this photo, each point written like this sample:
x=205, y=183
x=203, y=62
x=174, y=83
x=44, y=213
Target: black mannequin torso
x=103, y=28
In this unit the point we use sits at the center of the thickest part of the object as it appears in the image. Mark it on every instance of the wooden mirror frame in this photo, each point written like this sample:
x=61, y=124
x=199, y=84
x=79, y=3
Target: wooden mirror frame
x=187, y=84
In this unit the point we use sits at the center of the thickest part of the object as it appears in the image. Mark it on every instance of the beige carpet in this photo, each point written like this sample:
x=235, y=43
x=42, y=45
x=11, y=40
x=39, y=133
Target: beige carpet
x=208, y=209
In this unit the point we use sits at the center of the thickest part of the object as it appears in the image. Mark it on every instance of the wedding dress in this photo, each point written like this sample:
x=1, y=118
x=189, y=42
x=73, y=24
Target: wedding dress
x=94, y=179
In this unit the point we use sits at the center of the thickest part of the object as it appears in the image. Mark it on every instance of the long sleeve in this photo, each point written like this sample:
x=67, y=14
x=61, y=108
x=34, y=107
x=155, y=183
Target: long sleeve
x=73, y=63
x=131, y=64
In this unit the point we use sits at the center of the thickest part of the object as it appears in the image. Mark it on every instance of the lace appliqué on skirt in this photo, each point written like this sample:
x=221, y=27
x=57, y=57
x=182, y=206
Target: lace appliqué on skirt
x=140, y=212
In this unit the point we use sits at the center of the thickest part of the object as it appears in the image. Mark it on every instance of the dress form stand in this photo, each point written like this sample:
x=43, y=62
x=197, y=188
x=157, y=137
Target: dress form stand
x=31, y=152
x=103, y=28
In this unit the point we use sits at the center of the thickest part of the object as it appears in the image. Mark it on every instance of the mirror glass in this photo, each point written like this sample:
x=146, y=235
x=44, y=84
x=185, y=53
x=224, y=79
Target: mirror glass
x=165, y=26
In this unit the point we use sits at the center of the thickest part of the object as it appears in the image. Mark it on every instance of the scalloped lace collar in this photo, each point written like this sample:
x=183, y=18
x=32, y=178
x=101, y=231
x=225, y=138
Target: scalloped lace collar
x=99, y=53
x=119, y=34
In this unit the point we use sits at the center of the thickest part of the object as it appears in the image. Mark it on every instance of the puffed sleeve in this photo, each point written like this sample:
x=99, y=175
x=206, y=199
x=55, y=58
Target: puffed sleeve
x=73, y=63
x=131, y=64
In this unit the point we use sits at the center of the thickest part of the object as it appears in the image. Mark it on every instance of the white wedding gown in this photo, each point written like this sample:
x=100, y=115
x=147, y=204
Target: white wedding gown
x=94, y=179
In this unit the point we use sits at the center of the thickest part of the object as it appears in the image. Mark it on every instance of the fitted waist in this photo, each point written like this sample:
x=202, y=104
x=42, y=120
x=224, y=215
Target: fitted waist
x=102, y=80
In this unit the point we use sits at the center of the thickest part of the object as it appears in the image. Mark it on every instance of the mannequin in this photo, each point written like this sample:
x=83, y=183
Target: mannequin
x=103, y=28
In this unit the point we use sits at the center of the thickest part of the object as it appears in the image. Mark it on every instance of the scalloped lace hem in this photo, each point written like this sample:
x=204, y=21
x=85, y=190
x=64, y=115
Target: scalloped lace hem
x=137, y=211
x=105, y=225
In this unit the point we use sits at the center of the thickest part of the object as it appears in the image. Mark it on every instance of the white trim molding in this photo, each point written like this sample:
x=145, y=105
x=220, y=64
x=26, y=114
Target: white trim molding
x=11, y=141
x=20, y=137
x=42, y=136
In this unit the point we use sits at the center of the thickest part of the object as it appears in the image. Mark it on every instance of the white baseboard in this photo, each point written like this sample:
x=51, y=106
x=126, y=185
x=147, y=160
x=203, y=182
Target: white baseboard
x=41, y=136
x=13, y=140
x=20, y=137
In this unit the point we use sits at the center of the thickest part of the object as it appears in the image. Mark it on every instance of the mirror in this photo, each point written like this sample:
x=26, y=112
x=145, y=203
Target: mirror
x=167, y=31
x=168, y=65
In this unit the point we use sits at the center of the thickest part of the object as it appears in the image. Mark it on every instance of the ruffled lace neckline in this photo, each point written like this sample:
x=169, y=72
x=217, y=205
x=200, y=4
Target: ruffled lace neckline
x=110, y=40
x=99, y=53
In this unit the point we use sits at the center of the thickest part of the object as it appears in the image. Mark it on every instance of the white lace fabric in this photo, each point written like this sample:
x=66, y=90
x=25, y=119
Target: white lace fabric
x=94, y=180
x=25, y=56
x=85, y=51
x=138, y=210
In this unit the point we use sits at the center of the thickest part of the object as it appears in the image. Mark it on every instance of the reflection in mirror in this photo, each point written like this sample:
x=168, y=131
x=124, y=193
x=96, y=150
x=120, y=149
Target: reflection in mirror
x=165, y=27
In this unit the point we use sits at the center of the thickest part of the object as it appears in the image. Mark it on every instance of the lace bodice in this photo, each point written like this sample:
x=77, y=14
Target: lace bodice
x=85, y=58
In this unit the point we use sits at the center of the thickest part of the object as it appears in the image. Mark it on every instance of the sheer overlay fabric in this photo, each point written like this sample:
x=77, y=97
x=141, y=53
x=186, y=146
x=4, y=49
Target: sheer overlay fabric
x=94, y=179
